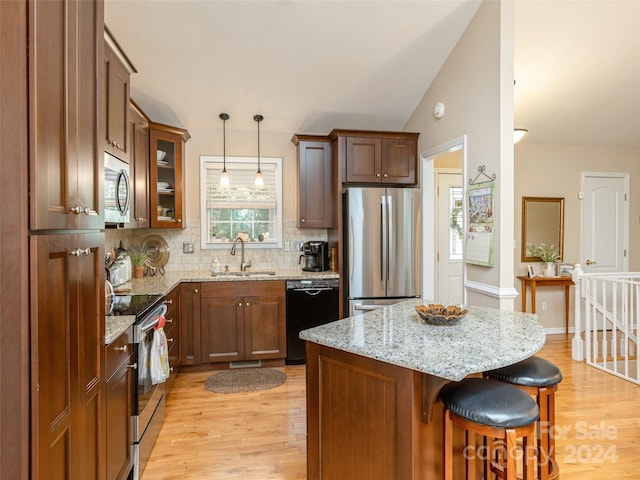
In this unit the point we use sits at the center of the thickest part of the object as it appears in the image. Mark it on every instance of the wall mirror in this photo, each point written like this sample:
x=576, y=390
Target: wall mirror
x=542, y=222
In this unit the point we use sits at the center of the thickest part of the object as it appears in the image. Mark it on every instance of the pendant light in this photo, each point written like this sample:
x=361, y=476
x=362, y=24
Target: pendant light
x=224, y=178
x=259, y=181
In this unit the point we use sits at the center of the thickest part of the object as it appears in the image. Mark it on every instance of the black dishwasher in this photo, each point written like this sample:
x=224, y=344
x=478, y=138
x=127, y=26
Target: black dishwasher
x=309, y=303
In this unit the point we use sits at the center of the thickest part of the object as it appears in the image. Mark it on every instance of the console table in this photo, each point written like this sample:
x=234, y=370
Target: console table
x=541, y=281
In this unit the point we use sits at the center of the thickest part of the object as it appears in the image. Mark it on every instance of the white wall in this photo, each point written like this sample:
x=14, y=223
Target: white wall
x=554, y=171
x=476, y=86
x=240, y=143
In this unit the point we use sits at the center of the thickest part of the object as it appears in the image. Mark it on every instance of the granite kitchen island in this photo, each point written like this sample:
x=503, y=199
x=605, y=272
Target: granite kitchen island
x=373, y=380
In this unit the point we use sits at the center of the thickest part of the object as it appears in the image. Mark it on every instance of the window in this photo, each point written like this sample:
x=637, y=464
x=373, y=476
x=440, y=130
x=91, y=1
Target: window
x=241, y=209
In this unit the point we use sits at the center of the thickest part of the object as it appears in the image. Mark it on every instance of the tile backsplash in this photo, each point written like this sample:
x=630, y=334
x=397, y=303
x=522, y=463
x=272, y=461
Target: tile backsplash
x=201, y=260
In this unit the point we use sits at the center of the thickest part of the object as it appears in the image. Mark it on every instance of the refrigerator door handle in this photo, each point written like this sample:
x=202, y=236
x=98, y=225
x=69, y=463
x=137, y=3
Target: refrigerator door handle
x=381, y=253
x=390, y=235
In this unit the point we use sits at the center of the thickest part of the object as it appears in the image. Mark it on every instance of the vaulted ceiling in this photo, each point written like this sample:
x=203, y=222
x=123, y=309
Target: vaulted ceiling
x=310, y=66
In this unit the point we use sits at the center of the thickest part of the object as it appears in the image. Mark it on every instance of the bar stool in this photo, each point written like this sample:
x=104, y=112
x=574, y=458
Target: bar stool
x=539, y=378
x=497, y=411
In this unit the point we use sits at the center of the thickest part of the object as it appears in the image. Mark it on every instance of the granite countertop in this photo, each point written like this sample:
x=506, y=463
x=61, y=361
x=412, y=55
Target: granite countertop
x=115, y=325
x=163, y=284
x=484, y=339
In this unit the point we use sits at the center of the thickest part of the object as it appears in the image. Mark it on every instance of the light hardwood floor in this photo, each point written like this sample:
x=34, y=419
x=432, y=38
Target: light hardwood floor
x=261, y=436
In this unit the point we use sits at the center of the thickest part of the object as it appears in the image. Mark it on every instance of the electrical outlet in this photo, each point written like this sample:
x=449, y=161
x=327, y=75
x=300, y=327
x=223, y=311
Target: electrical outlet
x=287, y=246
x=299, y=245
x=187, y=247
x=545, y=306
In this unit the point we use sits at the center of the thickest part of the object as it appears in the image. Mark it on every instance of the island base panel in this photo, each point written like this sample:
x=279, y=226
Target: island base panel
x=367, y=420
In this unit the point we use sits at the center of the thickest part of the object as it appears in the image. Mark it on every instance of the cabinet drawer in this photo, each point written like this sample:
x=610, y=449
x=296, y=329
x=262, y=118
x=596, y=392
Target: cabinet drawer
x=243, y=289
x=119, y=351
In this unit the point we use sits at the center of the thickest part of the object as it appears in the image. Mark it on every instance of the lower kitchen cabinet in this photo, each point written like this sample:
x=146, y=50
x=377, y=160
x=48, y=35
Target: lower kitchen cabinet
x=67, y=361
x=236, y=321
x=119, y=460
x=172, y=331
x=189, y=324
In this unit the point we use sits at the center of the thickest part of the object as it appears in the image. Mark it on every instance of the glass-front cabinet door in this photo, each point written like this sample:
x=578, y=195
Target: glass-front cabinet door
x=166, y=157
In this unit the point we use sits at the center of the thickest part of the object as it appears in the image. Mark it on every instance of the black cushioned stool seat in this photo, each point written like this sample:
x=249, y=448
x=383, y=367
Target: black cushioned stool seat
x=492, y=409
x=539, y=378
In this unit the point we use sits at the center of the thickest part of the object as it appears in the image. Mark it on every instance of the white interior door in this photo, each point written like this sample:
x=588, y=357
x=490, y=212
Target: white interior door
x=449, y=208
x=605, y=222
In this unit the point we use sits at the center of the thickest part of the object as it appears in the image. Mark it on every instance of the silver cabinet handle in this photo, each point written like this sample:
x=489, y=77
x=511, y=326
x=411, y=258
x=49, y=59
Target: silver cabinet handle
x=133, y=366
x=168, y=302
x=377, y=175
x=77, y=210
x=248, y=304
x=170, y=340
x=385, y=175
x=303, y=220
x=195, y=290
x=121, y=349
x=240, y=304
x=171, y=369
x=77, y=252
x=168, y=320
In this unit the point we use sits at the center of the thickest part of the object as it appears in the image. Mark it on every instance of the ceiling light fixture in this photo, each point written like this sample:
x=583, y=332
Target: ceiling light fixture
x=259, y=181
x=224, y=177
x=519, y=134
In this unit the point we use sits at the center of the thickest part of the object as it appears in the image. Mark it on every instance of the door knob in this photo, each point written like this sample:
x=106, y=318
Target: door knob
x=589, y=262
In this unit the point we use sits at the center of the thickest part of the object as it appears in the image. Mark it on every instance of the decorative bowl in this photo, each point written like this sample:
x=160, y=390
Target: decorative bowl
x=161, y=155
x=438, y=314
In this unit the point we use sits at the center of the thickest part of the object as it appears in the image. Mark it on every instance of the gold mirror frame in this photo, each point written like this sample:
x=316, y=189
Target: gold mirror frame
x=542, y=222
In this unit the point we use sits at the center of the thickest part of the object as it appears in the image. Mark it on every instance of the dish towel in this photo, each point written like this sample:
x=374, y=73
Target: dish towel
x=159, y=357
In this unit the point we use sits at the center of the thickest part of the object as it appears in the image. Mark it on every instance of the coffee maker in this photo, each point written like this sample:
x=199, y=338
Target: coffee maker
x=315, y=256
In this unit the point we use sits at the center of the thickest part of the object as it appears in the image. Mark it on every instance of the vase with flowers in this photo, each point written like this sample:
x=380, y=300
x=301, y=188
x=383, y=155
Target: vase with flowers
x=548, y=254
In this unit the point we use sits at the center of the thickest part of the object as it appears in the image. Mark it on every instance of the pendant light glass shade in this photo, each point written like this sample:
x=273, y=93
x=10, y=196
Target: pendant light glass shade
x=259, y=181
x=519, y=134
x=224, y=177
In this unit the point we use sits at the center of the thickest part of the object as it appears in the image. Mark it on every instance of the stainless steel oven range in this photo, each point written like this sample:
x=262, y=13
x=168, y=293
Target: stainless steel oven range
x=148, y=399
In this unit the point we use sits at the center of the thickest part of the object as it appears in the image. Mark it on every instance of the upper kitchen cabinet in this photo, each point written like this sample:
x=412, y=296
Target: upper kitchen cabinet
x=388, y=158
x=116, y=95
x=315, y=203
x=166, y=181
x=65, y=143
x=139, y=168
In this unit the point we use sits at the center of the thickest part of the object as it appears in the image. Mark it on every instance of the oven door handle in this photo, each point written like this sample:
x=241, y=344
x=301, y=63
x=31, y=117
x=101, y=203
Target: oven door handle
x=149, y=324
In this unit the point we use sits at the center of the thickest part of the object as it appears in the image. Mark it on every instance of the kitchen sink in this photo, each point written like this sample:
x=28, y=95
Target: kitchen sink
x=255, y=273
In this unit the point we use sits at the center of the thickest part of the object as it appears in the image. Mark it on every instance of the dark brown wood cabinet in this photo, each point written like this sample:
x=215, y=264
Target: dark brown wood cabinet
x=139, y=168
x=190, y=324
x=116, y=96
x=172, y=331
x=166, y=180
x=67, y=356
x=238, y=321
x=65, y=48
x=315, y=201
x=119, y=407
x=388, y=158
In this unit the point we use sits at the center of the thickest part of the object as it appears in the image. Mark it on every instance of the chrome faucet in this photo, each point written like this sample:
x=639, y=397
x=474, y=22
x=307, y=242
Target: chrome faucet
x=243, y=265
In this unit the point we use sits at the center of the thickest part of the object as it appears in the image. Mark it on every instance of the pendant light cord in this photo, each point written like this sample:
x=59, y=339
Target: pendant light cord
x=258, y=118
x=224, y=117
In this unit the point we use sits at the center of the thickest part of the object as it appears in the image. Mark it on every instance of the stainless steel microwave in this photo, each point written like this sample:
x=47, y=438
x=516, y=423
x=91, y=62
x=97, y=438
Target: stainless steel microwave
x=117, y=190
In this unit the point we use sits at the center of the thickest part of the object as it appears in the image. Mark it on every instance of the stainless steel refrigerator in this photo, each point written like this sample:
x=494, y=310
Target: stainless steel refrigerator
x=382, y=246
